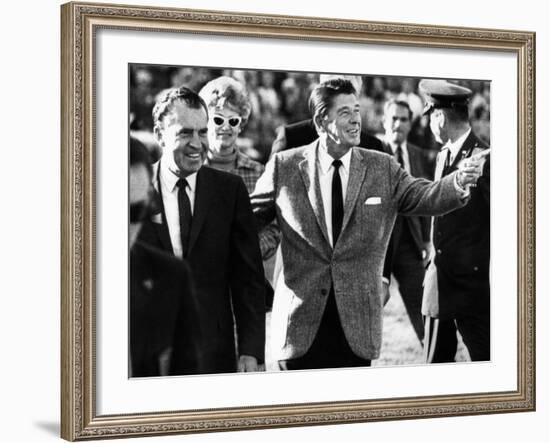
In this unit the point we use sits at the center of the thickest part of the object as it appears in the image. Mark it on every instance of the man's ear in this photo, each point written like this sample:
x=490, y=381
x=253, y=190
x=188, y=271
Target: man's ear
x=158, y=136
x=318, y=122
x=442, y=118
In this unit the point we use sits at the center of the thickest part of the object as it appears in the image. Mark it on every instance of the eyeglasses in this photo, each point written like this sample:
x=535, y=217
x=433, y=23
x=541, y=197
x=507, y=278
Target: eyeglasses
x=233, y=121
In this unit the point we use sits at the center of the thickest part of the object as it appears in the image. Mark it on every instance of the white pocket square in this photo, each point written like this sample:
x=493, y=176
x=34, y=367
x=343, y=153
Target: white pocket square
x=373, y=201
x=156, y=218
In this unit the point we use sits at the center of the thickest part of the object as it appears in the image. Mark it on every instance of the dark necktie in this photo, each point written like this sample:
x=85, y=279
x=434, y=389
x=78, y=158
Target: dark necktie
x=184, y=207
x=447, y=161
x=337, y=202
x=399, y=156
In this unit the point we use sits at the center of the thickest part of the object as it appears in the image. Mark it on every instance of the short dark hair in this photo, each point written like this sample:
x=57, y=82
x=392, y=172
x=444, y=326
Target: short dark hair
x=139, y=155
x=402, y=103
x=322, y=96
x=459, y=113
x=166, y=100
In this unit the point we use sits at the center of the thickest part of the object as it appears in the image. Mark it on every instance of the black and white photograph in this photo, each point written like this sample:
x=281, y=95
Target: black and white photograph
x=288, y=220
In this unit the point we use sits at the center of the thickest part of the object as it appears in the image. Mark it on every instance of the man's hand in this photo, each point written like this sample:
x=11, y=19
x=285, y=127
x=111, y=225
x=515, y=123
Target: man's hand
x=248, y=363
x=470, y=169
x=385, y=292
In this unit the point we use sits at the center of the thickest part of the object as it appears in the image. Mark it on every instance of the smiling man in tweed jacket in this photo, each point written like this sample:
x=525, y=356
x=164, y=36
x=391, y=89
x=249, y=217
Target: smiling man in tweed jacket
x=335, y=230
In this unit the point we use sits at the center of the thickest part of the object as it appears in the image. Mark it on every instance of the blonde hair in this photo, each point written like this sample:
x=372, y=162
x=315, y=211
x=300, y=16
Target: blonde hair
x=226, y=91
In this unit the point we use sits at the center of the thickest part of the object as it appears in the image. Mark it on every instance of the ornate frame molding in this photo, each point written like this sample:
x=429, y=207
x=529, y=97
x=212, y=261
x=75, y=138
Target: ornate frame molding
x=79, y=22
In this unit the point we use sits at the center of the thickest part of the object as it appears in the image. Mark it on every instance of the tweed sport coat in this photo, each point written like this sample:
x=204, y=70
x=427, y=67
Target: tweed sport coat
x=378, y=189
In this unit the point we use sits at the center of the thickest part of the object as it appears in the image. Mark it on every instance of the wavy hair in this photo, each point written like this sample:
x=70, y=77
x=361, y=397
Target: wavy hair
x=226, y=91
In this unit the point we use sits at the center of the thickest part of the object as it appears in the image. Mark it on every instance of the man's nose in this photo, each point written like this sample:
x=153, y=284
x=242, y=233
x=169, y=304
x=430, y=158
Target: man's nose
x=195, y=140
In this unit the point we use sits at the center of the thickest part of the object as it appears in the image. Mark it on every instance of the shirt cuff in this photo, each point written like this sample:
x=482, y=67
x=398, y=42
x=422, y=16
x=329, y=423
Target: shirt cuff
x=463, y=192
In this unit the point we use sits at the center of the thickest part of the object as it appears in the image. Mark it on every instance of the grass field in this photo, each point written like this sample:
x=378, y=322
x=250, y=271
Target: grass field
x=400, y=346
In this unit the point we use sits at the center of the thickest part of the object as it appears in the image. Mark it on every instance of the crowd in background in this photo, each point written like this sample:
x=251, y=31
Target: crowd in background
x=328, y=285
x=280, y=98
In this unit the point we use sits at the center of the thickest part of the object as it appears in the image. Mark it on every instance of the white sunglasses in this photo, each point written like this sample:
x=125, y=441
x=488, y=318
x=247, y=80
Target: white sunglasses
x=233, y=121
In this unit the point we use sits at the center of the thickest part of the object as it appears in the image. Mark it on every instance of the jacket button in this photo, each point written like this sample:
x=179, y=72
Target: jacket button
x=324, y=292
x=476, y=268
x=439, y=251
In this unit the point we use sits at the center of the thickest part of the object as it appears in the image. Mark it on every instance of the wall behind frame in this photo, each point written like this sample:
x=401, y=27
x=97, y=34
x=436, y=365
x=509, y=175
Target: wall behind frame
x=29, y=225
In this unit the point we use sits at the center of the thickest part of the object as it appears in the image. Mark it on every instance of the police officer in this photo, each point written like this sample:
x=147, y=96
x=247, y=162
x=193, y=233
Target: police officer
x=456, y=287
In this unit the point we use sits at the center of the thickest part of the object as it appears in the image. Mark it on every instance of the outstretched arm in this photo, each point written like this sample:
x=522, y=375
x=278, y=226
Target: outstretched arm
x=418, y=196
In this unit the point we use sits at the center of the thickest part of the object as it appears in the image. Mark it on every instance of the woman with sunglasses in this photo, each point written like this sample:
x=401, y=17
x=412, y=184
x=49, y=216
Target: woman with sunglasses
x=228, y=111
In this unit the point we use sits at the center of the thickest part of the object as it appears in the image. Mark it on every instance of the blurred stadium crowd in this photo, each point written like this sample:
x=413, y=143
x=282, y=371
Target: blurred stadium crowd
x=279, y=98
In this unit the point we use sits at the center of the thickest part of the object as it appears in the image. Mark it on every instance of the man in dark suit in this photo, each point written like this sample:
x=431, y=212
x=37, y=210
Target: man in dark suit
x=336, y=204
x=205, y=217
x=411, y=235
x=161, y=295
x=457, y=292
x=161, y=298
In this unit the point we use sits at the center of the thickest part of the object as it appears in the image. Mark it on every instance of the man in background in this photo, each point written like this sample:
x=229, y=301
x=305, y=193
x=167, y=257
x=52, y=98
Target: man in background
x=408, y=248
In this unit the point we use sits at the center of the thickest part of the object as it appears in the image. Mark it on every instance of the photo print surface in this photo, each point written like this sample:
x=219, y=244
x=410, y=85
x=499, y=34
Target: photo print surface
x=285, y=221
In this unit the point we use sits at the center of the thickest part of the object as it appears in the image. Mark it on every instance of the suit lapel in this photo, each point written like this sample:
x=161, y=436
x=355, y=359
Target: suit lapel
x=204, y=194
x=161, y=229
x=357, y=172
x=309, y=172
x=387, y=148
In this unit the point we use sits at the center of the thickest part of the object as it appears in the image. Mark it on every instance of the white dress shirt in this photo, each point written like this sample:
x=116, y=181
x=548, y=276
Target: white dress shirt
x=440, y=162
x=169, y=192
x=456, y=146
x=326, y=171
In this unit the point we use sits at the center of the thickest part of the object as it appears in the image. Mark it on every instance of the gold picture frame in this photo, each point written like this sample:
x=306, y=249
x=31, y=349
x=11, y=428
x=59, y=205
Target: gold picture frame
x=80, y=21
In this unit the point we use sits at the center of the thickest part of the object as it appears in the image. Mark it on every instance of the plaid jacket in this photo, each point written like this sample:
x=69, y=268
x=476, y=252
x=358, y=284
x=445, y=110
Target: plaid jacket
x=250, y=171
